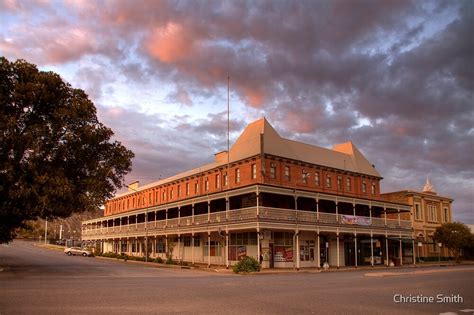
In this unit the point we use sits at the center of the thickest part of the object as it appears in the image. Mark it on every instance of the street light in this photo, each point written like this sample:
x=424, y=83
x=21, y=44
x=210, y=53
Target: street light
x=439, y=253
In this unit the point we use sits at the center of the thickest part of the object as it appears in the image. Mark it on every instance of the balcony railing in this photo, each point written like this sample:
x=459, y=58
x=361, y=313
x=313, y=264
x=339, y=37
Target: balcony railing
x=266, y=214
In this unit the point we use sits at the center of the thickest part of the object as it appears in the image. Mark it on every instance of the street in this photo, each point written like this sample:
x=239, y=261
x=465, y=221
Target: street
x=35, y=280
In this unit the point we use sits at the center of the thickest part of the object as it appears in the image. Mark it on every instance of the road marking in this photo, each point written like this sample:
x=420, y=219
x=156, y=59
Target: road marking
x=468, y=311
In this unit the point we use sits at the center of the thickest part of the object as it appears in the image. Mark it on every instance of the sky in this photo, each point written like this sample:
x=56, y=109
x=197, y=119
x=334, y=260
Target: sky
x=394, y=77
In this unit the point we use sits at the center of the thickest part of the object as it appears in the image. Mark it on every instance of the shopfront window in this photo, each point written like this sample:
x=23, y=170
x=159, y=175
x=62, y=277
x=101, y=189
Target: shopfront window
x=307, y=251
x=283, y=247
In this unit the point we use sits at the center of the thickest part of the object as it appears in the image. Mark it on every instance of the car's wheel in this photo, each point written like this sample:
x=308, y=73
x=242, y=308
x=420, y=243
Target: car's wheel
x=69, y=253
x=84, y=254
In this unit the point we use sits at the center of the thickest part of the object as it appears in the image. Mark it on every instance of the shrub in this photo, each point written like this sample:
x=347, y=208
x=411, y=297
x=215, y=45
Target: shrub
x=158, y=260
x=123, y=256
x=170, y=262
x=247, y=264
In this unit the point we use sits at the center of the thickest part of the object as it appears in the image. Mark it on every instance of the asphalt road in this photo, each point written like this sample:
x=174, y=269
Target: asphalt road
x=35, y=280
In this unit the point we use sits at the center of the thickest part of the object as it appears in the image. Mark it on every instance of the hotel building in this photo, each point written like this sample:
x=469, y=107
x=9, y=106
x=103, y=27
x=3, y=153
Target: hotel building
x=286, y=203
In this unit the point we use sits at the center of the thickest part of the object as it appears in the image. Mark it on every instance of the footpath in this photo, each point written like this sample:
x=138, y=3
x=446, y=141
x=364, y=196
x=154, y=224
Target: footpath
x=380, y=271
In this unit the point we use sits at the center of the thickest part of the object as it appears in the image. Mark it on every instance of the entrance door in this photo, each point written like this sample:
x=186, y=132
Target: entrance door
x=349, y=249
x=271, y=254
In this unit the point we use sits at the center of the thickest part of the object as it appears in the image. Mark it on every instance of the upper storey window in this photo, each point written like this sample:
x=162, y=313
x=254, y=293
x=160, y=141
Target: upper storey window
x=254, y=171
x=328, y=181
x=237, y=175
x=273, y=170
x=286, y=175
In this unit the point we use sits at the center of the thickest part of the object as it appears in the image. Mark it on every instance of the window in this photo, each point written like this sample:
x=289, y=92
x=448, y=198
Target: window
x=149, y=198
x=196, y=187
x=273, y=170
x=287, y=173
x=254, y=171
x=160, y=246
x=432, y=215
x=364, y=187
x=178, y=191
x=339, y=183
x=316, y=178
x=446, y=215
x=372, y=188
x=246, y=238
x=206, y=184
x=187, y=241
x=212, y=249
x=163, y=197
x=304, y=177
x=328, y=181
x=225, y=180
x=348, y=184
x=187, y=189
x=171, y=193
x=417, y=212
x=218, y=181
x=237, y=175
x=307, y=251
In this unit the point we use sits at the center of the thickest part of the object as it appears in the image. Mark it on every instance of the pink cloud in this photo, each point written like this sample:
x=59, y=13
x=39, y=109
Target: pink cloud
x=170, y=43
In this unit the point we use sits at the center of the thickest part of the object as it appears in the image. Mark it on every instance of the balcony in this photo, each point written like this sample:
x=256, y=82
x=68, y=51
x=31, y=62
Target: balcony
x=266, y=214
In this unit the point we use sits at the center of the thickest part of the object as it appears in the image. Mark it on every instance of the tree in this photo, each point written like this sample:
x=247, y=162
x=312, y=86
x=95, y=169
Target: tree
x=454, y=236
x=56, y=158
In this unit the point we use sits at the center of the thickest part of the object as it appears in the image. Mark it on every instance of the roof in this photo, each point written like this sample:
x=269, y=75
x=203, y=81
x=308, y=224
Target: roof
x=418, y=193
x=260, y=137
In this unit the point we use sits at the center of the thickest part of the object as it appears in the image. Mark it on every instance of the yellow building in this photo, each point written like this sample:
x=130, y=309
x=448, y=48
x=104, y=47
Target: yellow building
x=428, y=211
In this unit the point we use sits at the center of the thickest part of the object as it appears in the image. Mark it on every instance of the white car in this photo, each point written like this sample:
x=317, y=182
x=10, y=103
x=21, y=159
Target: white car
x=77, y=251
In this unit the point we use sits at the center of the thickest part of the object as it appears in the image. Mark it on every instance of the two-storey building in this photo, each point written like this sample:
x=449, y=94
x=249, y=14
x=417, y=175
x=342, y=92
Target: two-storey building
x=287, y=203
x=429, y=211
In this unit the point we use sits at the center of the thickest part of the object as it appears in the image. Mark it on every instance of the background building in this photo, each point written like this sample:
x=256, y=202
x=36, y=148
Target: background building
x=429, y=211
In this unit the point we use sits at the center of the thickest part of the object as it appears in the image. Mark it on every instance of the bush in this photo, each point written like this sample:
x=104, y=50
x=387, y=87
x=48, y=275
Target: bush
x=247, y=264
x=170, y=262
x=158, y=260
x=123, y=256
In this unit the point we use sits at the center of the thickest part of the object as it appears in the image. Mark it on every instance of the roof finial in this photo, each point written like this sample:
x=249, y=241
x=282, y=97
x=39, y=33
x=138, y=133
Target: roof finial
x=428, y=188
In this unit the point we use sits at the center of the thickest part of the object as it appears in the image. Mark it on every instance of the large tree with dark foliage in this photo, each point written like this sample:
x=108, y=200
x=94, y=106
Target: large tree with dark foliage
x=56, y=158
x=454, y=236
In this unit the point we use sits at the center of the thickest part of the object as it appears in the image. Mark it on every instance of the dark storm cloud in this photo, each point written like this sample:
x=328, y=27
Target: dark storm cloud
x=396, y=77
x=165, y=147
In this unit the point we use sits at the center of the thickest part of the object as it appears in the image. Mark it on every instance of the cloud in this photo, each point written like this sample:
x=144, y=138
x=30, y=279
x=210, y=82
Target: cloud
x=395, y=77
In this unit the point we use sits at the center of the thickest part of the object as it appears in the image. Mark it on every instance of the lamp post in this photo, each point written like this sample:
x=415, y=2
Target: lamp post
x=420, y=244
x=439, y=252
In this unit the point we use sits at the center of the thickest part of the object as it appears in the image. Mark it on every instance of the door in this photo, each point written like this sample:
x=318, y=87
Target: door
x=271, y=254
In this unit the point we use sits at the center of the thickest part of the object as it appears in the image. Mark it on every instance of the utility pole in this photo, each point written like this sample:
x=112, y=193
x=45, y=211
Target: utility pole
x=45, y=231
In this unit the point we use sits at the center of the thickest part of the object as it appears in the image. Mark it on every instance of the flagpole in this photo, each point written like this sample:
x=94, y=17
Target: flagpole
x=228, y=130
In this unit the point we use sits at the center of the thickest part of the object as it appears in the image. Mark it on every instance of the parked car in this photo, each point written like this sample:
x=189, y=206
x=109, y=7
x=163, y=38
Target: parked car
x=77, y=251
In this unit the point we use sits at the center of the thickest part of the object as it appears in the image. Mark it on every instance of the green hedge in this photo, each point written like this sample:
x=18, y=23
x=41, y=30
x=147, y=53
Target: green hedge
x=247, y=264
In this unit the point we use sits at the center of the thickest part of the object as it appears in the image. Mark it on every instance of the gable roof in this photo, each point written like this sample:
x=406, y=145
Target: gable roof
x=343, y=156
